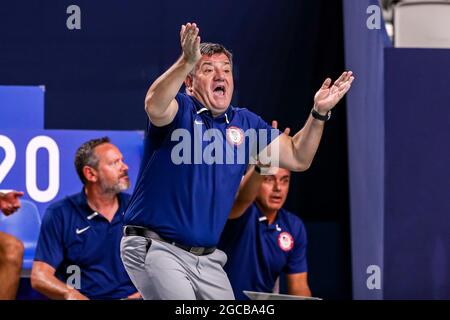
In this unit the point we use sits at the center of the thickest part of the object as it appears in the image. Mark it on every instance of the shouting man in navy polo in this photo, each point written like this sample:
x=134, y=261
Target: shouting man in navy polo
x=192, y=168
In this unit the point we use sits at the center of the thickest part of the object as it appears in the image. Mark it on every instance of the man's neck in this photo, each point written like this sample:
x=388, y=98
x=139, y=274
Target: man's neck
x=271, y=215
x=105, y=204
x=200, y=100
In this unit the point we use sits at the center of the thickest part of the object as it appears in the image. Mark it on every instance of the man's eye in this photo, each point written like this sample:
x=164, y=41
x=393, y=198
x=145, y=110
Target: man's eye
x=208, y=70
x=227, y=71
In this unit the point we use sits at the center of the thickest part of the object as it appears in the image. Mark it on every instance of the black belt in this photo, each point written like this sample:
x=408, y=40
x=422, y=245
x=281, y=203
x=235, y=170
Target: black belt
x=149, y=234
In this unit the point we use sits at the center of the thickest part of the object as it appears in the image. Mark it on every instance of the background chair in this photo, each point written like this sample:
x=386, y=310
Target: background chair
x=24, y=225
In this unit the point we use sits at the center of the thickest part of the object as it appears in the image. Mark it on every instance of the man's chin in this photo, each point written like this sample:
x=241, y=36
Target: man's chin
x=275, y=207
x=123, y=186
x=219, y=109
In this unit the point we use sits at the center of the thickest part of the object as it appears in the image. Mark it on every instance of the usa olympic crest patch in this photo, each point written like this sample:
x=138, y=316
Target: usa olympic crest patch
x=285, y=241
x=235, y=135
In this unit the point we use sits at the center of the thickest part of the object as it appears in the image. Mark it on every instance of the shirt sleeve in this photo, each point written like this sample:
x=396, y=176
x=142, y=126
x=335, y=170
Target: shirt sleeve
x=233, y=231
x=50, y=247
x=156, y=134
x=297, y=259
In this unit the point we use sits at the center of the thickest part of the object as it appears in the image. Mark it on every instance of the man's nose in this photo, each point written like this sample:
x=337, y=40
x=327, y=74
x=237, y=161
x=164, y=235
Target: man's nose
x=219, y=75
x=124, y=166
x=276, y=186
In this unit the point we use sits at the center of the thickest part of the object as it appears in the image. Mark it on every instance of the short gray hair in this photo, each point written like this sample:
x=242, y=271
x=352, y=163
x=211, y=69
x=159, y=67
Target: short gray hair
x=209, y=49
x=85, y=156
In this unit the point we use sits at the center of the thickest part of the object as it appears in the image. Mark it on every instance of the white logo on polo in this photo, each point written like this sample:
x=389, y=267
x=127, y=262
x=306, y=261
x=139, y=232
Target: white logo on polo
x=80, y=231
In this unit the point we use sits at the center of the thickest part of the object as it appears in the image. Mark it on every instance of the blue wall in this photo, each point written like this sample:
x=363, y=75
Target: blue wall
x=398, y=130
x=22, y=107
x=417, y=203
x=364, y=54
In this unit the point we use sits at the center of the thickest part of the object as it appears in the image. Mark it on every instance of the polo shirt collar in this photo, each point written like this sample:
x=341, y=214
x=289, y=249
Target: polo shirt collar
x=276, y=224
x=81, y=201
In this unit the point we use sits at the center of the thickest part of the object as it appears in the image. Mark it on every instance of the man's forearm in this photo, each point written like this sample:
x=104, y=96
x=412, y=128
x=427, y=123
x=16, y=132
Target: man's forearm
x=52, y=287
x=306, y=142
x=297, y=284
x=165, y=88
x=248, y=190
x=250, y=185
x=303, y=291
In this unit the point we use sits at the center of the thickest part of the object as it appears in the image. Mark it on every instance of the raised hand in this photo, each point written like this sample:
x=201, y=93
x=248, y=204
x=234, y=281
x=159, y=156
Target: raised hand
x=190, y=42
x=328, y=96
x=10, y=202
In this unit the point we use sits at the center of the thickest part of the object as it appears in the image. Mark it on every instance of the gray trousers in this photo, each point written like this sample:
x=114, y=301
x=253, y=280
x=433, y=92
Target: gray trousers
x=166, y=272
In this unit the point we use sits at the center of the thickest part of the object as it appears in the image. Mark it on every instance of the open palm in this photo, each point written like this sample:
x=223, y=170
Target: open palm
x=329, y=95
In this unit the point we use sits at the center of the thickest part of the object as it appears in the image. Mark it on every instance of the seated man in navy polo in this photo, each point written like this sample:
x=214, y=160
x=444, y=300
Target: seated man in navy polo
x=77, y=256
x=263, y=240
x=11, y=249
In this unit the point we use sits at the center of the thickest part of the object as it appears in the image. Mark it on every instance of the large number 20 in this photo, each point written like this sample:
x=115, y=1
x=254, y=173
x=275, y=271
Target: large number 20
x=39, y=142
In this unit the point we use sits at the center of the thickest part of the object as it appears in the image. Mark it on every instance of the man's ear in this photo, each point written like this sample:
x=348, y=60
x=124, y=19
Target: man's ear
x=90, y=174
x=188, y=83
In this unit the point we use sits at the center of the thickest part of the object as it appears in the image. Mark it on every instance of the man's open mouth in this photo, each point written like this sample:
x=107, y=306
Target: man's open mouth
x=219, y=90
x=276, y=198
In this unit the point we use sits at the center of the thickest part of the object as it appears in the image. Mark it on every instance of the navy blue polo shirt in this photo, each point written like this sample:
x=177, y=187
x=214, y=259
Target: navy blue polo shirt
x=189, y=201
x=73, y=234
x=258, y=252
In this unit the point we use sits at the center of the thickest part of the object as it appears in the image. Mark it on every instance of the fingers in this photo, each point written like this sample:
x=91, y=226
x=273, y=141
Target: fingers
x=341, y=84
x=351, y=79
x=345, y=76
x=194, y=32
x=9, y=210
x=17, y=193
x=345, y=86
x=186, y=30
x=326, y=84
x=189, y=34
x=338, y=80
x=197, y=43
x=183, y=34
x=14, y=196
x=344, y=90
x=183, y=28
x=190, y=41
x=275, y=126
